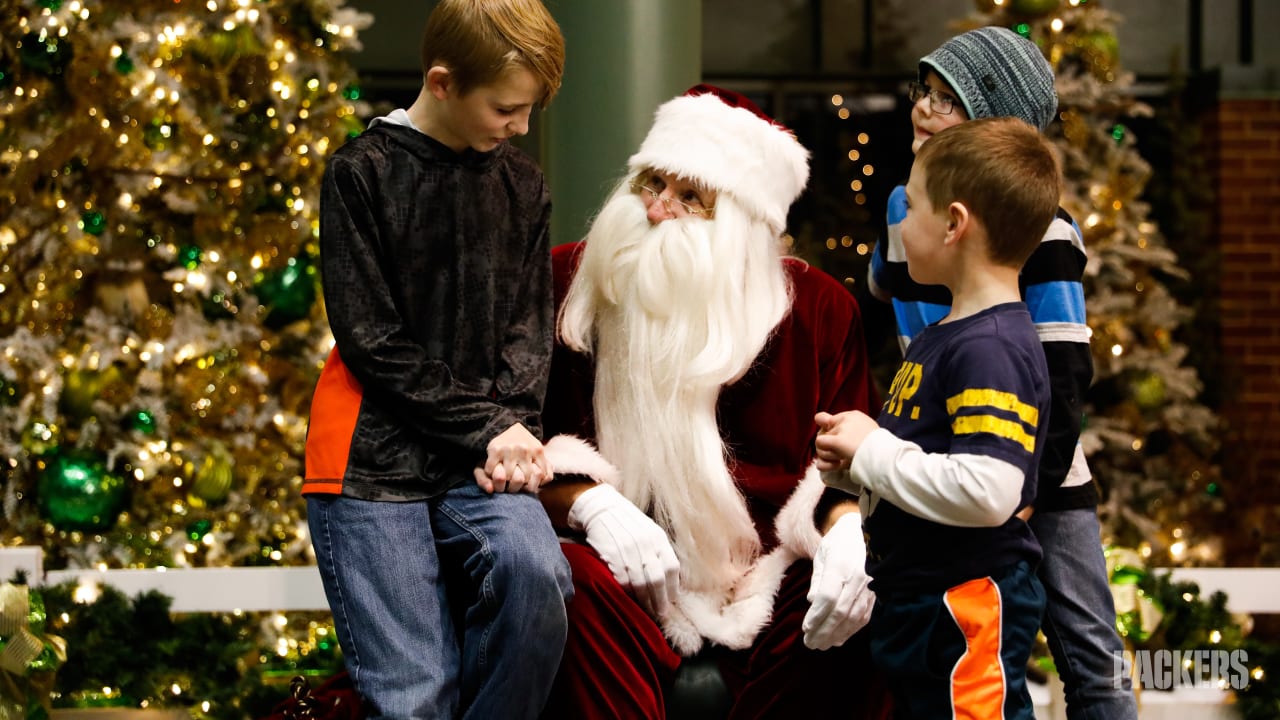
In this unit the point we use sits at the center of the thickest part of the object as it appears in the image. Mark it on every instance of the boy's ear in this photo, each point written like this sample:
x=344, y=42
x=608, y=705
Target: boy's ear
x=958, y=222
x=439, y=81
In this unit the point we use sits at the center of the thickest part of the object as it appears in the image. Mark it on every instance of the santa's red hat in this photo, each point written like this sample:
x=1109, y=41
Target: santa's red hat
x=721, y=140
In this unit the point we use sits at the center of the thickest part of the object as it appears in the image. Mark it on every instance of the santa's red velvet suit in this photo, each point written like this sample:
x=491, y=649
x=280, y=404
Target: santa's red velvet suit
x=617, y=660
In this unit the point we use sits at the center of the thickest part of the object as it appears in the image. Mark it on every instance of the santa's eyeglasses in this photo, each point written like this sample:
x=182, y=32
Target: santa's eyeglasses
x=687, y=201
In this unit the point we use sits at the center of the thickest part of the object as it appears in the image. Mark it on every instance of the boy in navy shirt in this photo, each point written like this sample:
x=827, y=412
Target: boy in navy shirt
x=948, y=473
x=995, y=72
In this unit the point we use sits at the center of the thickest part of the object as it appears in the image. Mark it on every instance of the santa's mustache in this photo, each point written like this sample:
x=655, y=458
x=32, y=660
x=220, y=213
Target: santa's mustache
x=661, y=268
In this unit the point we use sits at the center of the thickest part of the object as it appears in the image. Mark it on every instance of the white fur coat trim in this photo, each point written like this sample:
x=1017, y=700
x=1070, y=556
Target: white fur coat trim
x=571, y=454
x=733, y=617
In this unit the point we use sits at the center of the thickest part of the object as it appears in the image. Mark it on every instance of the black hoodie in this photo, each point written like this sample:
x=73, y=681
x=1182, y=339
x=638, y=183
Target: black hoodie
x=437, y=284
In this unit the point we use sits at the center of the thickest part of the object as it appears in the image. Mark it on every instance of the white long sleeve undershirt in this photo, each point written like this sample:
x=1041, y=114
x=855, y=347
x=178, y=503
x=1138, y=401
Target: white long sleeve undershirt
x=959, y=489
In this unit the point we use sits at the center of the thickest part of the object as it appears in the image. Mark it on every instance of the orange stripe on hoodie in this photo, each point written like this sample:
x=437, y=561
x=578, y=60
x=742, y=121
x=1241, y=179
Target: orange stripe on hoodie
x=335, y=408
x=977, y=680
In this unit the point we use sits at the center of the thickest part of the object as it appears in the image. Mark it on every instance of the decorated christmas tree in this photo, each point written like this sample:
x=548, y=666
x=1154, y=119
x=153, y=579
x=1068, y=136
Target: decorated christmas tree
x=160, y=325
x=1150, y=439
x=160, y=164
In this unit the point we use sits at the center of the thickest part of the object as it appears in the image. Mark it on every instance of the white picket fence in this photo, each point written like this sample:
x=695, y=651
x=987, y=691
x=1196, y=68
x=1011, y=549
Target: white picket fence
x=1249, y=590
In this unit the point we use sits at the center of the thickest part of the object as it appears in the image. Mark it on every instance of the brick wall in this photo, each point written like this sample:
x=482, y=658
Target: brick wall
x=1242, y=145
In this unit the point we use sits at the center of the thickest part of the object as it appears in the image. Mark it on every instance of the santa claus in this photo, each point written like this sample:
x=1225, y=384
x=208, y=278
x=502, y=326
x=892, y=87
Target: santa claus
x=692, y=357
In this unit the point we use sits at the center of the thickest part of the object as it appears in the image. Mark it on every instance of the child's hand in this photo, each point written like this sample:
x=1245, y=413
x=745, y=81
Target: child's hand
x=840, y=436
x=516, y=463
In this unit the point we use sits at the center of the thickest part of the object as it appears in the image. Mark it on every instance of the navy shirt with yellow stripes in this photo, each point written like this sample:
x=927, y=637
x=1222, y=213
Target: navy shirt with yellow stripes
x=1052, y=285
x=975, y=386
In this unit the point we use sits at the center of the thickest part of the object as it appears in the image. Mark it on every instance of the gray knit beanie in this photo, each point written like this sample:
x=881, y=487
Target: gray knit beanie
x=996, y=73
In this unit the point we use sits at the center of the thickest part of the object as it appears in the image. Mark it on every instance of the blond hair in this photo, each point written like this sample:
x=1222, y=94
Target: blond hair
x=479, y=40
x=1005, y=172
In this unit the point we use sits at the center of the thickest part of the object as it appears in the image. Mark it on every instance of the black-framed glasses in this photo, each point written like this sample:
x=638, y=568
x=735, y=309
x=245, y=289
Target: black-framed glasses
x=939, y=102
x=691, y=204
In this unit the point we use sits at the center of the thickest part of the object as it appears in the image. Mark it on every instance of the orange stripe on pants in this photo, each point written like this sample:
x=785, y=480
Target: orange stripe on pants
x=977, y=680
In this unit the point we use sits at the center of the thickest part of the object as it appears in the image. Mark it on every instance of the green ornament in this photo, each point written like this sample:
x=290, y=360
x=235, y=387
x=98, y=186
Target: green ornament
x=40, y=437
x=1034, y=8
x=287, y=293
x=190, y=256
x=1023, y=29
x=1149, y=392
x=1214, y=490
x=124, y=64
x=82, y=387
x=213, y=480
x=198, y=529
x=93, y=222
x=351, y=92
x=1117, y=133
x=143, y=421
x=47, y=55
x=1126, y=593
x=1136, y=615
x=76, y=492
x=6, y=78
x=51, y=4
x=1127, y=575
x=8, y=392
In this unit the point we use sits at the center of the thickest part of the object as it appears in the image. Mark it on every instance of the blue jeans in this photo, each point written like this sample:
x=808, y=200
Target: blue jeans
x=445, y=606
x=1080, y=616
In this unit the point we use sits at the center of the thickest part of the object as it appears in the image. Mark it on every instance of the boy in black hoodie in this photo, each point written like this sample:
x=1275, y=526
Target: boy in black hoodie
x=444, y=575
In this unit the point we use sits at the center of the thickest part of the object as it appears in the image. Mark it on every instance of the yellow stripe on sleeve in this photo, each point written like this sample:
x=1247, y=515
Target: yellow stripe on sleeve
x=1007, y=429
x=998, y=399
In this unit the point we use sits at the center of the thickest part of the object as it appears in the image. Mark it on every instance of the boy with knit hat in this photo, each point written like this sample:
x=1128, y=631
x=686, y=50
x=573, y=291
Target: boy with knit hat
x=695, y=355
x=994, y=72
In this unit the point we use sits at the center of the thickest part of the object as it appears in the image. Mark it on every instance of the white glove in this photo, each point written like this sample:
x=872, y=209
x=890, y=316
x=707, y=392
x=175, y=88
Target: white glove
x=634, y=547
x=840, y=602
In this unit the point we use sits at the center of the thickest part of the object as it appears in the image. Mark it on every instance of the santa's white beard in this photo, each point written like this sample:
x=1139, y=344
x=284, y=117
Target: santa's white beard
x=672, y=313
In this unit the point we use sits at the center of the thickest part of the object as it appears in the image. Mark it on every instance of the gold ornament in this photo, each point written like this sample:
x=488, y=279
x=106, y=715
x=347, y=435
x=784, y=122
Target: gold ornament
x=82, y=387
x=213, y=481
x=126, y=298
x=1101, y=52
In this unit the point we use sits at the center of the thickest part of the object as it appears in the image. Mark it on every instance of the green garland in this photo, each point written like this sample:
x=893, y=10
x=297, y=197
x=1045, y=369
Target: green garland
x=133, y=652
x=1155, y=612
x=142, y=651
x=1190, y=622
